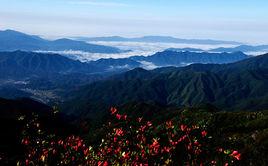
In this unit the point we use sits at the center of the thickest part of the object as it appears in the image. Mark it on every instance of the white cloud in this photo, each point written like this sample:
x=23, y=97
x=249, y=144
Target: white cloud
x=148, y=65
x=138, y=49
x=111, y=68
x=256, y=53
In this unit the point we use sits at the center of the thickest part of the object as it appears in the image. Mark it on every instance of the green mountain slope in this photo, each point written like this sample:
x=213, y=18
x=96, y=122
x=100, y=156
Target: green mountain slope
x=237, y=86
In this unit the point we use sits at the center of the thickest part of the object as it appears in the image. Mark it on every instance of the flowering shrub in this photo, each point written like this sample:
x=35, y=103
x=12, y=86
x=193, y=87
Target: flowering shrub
x=127, y=141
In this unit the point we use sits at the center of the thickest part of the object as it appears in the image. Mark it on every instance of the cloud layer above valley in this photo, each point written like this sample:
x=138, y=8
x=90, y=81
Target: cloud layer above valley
x=137, y=49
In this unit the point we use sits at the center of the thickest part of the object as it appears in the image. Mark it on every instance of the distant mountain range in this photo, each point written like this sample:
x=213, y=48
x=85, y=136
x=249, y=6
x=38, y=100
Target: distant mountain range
x=236, y=86
x=12, y=40
x=243, y=48
x=185, y=49
x=174, y=58
x=47, y=77
x=20, y=64
x=156, y=39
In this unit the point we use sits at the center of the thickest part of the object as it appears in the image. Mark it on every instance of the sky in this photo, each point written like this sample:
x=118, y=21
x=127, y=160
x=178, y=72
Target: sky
x=237, y=20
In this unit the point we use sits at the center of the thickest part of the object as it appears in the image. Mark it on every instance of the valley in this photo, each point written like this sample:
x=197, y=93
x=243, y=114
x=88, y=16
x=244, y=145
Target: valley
x=214, y=95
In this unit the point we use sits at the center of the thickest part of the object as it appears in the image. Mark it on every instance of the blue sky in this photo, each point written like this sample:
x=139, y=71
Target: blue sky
x=240, y=20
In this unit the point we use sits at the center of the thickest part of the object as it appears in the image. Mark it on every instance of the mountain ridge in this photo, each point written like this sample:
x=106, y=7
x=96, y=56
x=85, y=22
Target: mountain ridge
x=243, y=48
x=153, y=39
x=183, y=58
x=21, y=63
x=11, y=40
x=236, y=86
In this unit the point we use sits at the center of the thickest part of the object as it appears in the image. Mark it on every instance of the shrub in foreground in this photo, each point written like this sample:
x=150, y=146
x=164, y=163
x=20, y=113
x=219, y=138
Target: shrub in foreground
x=128, y=141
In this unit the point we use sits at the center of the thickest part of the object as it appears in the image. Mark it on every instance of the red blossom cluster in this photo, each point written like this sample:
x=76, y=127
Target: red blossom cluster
x=134, y=142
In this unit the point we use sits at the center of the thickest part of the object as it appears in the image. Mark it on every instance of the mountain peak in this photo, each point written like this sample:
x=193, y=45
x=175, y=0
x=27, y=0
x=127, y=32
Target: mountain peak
x=13, y=40
x=13, y=32
x=137, y=73
x=10, y=30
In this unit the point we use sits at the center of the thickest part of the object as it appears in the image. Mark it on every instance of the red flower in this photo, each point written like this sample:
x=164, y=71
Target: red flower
x=25, y=141
x=196, y=143
x=118, y=116
x=155, y=146
x=113, y=110
x=86, y=152
x=26, y=162
x=79, y=144
x=235, y=152
x=105, y=163
x=220, y=149
x=142, y=128
x=149, y=124
x=204, y=133
x=124, y=117
x=236, y=155
x=127, y=142
x=109, y=150
x=167, y=149
x=60, y=142
x=182, y=138
x=189, y=147
x=115, y=139
x=183, y=127
x=119, y=132
x=169, y=124
x=213, y=162
x=126, y=155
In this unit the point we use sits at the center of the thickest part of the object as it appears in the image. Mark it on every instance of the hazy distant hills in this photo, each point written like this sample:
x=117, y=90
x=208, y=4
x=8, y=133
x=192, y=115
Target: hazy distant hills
x=48, y=77
x=12, y=40
x=174, y=58
x=237, y=46
x=156, y=39
x=237, y=86
x=24, y=64
x=20, y=64
x=45, y=76
x=185, y=49
x=243, y=48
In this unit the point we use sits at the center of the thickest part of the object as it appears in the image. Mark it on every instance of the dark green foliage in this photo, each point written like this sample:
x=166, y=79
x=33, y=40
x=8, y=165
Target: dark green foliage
x=13, y=112
x=238, y=86
x=246, y=131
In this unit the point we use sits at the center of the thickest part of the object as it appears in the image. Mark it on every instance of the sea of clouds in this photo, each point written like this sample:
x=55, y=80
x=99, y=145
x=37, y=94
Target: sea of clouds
x=137, y=49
